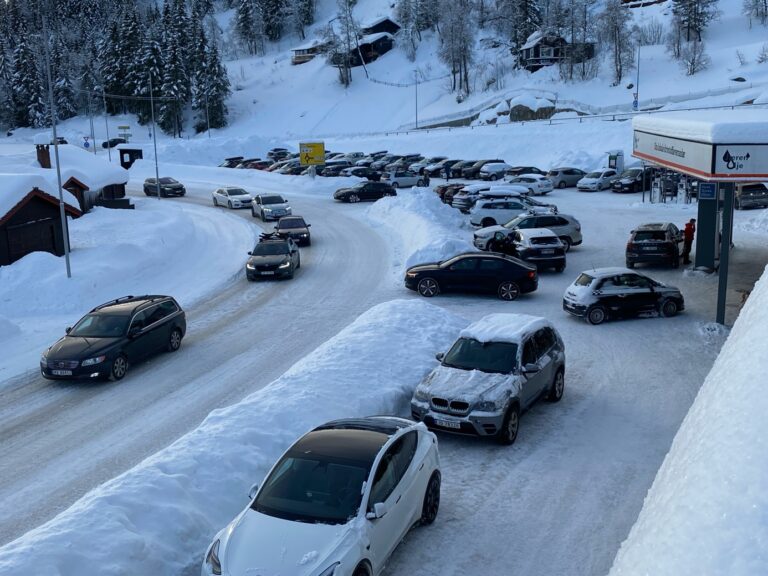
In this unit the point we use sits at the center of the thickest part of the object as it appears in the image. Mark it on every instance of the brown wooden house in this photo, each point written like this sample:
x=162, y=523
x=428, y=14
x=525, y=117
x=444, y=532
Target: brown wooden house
x=544, y=49
x=30, y=219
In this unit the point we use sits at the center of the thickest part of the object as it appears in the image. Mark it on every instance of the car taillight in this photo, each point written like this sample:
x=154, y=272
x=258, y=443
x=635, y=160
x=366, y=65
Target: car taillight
x=532, y=274
x=630, y=246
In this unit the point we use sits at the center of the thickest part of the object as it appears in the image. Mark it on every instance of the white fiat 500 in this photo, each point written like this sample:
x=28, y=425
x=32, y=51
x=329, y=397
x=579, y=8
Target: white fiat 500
x=337, y=503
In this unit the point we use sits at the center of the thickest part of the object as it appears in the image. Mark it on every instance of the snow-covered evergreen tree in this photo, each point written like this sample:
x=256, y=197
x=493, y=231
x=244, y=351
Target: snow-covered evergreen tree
x=211, y=92
x=63, y=88
x=7, y=104
x=757, y=10
x=457, y=41
x=273, y=15
x=28, y=87
x=301, y=14
x=694, y=16
x=248, y=26
x=518, y=19
x=405, y=15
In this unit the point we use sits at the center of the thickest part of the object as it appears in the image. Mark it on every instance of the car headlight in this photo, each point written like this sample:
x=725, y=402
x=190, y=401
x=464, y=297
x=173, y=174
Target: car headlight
x=331, y=570
x=44, y=358
x=421, y=394
x=92, y=361
x=250, y=266
x=411, y=274
x=212, y=558
x=304, y=235
x=285, y=265
x=487, y=406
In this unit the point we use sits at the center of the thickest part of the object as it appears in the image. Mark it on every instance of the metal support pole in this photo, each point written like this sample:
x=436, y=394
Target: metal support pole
x=90, y=119
x=207, y=117
x=637, y=81
x=52, y=104
x=725, y=249
x=106, y=123
x=416, y=85
x=154, y=134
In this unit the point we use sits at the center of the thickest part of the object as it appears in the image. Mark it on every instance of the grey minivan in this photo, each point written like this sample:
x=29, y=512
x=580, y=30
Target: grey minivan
x=498, y=368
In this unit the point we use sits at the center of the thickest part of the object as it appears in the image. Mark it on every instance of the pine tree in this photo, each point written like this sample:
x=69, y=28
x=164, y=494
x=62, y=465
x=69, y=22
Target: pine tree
x=175, y=87
x=63, y=89
x=518, y=19
x=212, y=91
x=248, y=26
x=28, y=88
x=7, y=104
x=302, y=14
x=405, y=14
x=272, y=14
x=695, y=16
x=457, y=41
x=427, y=15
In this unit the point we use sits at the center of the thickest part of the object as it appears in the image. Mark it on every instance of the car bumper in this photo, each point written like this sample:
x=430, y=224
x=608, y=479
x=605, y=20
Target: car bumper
x=258, y=274
x=650, y=257
x=473, y=424
x=481, y=243
x=574, y=309
x=95, y=372
x=587, y=188
x=411, y=283
x=544, y=261
x=275, y=215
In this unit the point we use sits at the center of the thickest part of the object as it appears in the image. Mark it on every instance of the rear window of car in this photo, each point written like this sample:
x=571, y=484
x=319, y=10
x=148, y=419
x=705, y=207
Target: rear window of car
x=542, y=241
x=650, y=235
x=584, y=279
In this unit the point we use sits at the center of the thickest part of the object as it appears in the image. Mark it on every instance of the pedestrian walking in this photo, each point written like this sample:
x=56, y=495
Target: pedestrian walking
x=688, y=233
x=447, y=173
x=425, y=178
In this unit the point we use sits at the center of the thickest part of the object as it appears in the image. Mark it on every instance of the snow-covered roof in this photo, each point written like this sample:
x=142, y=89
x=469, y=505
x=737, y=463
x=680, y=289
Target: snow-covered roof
x=14, y=187
x=503, y=327
x=532, y=40
x=608, y=271
x=370, y=38
x=314, y=43
x=714, y=127
x=378, y=21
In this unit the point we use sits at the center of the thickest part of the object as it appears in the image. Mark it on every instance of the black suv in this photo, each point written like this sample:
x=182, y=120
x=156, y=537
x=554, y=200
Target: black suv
x=273, y=257
x=505, y=276
x=657, y=242
x=114, y=335
x=364, y=191
x=633, y=180
x=168, y=187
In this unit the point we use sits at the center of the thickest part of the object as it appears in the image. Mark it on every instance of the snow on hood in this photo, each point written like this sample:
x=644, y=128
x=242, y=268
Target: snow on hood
x=503, y=327
x=489, y=231
x=469, y=385
x=706, y=510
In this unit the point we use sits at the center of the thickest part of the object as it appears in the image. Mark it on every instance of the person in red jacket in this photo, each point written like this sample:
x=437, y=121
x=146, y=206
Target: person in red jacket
x=688, y=233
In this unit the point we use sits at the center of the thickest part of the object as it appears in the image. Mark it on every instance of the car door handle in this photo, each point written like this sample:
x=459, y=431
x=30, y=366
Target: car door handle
x=422, y=466
x=398, y=498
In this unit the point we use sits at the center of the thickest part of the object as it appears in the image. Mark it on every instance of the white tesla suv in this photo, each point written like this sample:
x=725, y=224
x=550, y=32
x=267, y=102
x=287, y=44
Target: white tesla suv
x=337, y=503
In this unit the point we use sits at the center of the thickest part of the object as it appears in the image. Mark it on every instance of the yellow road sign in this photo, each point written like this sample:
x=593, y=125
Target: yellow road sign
x=312, y=153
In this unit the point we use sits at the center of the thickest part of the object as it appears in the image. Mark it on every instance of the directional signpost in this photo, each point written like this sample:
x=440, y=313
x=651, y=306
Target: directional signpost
x=312, y=154
x=86, y=144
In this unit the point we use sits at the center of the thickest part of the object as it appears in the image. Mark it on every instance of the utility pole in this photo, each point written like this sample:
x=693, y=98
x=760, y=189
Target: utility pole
x=207, y=117
x=637, y=81
x=416, y=86
x=52, y=105
x=154, y=133
x=90, y=119
x=106, y=122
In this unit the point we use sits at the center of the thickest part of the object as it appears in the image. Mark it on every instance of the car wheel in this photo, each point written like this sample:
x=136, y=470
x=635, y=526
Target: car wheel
x=488, y=222
x=263, y=216
x=531, y=192
x=119, y=368
x=361, y=571
x=509, y=291
x=561, y=184
x=229, y=204
x=215, y=202
x=558, y=386
x=668, y=308
x=428, y=287
x=431, y=503
x=630, y=264
x=596, y=315
x=560, y=268
x=174, y=340
x=567, y=242
x=494, y=178
x=395, y=185
x=298, y=263
x=509, y=428
x=354, y=198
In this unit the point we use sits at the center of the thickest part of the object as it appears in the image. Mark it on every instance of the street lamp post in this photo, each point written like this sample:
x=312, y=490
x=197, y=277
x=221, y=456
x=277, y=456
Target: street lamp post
x=52, y=104
x=154, y=133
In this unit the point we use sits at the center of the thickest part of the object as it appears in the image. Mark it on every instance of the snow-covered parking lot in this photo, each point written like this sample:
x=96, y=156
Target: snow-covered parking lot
x=559, y=502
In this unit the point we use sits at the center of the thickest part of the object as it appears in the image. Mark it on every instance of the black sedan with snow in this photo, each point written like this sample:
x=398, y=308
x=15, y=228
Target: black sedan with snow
x=273, y=257
x=167, y=187
x=505, y=276
x=364, y=191
x=295, y=228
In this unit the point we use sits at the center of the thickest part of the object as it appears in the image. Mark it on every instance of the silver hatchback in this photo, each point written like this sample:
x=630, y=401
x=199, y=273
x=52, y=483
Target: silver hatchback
x=498, y=368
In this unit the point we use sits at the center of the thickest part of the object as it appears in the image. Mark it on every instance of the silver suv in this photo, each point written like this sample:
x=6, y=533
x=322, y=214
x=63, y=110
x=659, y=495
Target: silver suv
x=567, y=228
x=492, y=211
x=496, y=370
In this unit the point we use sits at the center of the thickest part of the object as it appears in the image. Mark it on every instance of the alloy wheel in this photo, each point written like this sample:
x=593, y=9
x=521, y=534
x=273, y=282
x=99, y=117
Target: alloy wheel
x=428, y=287
x=509, y=291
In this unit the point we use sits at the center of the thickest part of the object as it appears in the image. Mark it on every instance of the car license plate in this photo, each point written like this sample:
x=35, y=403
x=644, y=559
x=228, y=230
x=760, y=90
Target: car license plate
x=448, y=423
x=267, y=273
x=548, y=251
x=649, y=248
x=61, y=372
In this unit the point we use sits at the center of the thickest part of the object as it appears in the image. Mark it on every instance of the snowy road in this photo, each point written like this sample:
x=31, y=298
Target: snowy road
x=59, y=440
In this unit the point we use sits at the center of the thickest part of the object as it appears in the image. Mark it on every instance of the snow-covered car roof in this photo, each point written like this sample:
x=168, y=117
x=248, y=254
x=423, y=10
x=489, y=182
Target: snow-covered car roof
x=504, y=327
x=470, y=188
x=534, y=176
x=495, y=166
x=537, y=233
x=610, y=271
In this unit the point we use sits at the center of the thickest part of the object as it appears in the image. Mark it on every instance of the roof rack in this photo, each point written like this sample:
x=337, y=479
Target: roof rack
x=266, y=236
x=113, y=302
x=122, y=299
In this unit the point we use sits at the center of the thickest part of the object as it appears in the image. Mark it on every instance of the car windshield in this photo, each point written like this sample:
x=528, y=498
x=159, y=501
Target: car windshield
x=594, y=175
x=630, y=173
x=359, y=185
x=584, y=280
x=534, y=202
x=471, y=354
x=237, y=192
x=292, y=223
x=515, y=222
x=272, y=200
x=313, y=488
x=270, y=249
x=100, y=326
x=167, y=181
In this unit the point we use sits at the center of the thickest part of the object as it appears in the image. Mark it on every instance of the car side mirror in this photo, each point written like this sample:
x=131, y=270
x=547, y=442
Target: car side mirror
x=250, y=253
x=134, y=331
x=68, y=329
x=439, y=356
x=379, y=511
x=252, y=492
x=530, y=369
x=309, y=225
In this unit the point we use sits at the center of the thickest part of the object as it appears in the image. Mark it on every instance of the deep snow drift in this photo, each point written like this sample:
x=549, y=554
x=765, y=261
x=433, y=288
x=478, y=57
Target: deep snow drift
x=707, y=512
x=158, y=517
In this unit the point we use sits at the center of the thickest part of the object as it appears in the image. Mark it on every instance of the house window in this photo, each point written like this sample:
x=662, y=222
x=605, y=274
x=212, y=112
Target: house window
x=547, y=52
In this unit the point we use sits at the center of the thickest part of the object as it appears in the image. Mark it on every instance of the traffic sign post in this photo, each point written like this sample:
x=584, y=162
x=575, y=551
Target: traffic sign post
x=312, y=153
x=86, y=144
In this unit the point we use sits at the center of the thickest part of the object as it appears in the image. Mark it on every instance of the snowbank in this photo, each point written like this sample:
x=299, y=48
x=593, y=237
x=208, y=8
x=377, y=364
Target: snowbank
x=707, y=511
x=428, y=229
x=158, y=517
x=7, y=329
x=190, y=251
